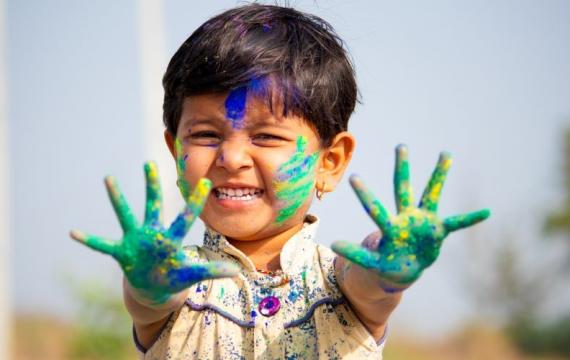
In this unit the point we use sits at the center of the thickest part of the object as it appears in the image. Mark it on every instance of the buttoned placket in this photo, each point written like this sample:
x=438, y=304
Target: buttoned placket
x=269, y=330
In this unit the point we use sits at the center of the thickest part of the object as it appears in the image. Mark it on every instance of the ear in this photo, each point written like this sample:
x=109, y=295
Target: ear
x=169, y=139
x=334, y=160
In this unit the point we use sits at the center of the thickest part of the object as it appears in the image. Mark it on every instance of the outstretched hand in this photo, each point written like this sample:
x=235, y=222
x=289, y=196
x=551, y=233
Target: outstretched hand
x=411, y=240
x=150, y=255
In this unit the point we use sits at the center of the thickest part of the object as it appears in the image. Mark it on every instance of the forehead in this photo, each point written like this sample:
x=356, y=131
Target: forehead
x=233, y=109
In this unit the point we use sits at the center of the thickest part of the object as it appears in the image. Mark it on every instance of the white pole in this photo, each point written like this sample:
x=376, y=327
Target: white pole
x=153, y=64
x=5, y=317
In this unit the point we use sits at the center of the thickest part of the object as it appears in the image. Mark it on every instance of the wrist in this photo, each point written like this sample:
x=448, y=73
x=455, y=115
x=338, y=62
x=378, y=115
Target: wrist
x=356, y=279
x=154, y=301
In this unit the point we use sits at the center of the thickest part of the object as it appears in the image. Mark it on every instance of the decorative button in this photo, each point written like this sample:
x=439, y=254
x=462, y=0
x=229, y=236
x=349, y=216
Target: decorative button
x=269, y=306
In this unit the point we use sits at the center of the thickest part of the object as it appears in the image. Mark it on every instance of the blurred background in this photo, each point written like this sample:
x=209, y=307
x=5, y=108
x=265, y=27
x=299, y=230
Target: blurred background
x=489, y=81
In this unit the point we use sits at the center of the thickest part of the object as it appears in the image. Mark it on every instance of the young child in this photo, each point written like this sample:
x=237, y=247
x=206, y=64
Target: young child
x=256, y=108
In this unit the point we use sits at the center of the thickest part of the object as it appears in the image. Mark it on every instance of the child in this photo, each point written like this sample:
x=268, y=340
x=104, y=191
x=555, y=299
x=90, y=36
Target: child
x=256, y=108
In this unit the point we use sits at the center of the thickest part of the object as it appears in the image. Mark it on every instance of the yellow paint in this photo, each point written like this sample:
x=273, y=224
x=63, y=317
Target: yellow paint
x=153, y=171
x=434, y=194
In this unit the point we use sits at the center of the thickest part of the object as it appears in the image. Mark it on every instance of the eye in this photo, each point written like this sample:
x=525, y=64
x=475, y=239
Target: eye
x=204, y=134
x=206, y=138
x=265, y=139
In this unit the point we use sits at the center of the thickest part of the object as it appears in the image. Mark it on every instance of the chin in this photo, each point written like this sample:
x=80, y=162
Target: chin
x=242, y=234
x=239, y=228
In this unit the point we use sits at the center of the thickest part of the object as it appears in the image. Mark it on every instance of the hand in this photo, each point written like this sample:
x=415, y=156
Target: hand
x=411, y=240
x=150, y=255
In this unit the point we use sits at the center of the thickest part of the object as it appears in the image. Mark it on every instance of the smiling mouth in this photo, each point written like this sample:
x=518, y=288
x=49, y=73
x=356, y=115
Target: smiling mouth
x=238, y=194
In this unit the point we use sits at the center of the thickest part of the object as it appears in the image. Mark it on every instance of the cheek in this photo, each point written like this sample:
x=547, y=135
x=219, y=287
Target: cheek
x=293, y=183
x=198, y=162
x=191, y=165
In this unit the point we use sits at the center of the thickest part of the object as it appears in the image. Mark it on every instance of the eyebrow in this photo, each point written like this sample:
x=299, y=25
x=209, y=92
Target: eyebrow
x=248, y=126
x=201, y=121
x=189, y=122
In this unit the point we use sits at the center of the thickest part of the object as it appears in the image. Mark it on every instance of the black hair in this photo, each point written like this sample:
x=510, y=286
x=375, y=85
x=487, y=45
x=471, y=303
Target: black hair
x=273, y=50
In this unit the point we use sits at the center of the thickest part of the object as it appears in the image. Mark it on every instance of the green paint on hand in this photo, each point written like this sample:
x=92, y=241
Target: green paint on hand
x=412, y=239
x=150, y=255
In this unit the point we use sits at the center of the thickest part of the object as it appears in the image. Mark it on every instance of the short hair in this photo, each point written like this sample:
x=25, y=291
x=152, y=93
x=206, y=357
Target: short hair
x=294, y=55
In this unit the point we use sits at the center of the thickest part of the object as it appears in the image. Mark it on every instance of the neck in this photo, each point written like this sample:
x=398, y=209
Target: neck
x=264, y=253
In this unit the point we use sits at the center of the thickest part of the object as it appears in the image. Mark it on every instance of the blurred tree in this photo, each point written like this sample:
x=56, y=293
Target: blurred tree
x=103, y=326
x=559, y=221
x=529, y=331
x=518, y=295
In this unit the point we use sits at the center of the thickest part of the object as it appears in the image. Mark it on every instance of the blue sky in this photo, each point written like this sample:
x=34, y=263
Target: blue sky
x=488, y=81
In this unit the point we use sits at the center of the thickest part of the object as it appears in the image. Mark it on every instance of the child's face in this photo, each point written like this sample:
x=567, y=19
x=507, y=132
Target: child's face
x=263, y=168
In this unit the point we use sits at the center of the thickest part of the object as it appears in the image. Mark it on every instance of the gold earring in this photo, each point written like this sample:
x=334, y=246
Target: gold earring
x=321, y=192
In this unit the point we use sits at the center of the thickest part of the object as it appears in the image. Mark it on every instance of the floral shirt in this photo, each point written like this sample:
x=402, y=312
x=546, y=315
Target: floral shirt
x=301, y=314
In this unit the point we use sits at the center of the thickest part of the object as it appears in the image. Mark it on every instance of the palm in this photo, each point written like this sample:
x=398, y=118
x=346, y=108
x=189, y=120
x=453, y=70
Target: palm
x=150, y=255
x=411, y=240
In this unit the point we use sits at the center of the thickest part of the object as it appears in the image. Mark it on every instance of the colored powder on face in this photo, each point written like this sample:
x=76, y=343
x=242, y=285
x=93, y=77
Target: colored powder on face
x=295, y=180
x=235, y=106
x=181, y=159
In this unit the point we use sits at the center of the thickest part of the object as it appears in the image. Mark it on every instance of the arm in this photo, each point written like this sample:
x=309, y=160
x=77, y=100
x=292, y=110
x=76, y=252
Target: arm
x=157, y=271
x=371, y=304
x=149, y=319
x=389, y=262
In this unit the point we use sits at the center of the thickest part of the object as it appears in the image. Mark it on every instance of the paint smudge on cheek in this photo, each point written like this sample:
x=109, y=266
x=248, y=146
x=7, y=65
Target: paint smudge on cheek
x=181, y=159
x=235, y=106
x=295, y=180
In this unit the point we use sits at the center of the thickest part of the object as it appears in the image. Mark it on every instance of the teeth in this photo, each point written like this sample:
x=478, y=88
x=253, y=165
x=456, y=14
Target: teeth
x=242, y=194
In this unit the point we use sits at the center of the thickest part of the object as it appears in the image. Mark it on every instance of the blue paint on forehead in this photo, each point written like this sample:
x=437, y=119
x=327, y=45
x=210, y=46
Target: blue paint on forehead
x=235, y=106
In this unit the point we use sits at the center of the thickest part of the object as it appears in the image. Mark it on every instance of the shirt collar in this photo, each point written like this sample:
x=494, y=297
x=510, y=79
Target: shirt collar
x=296, y=254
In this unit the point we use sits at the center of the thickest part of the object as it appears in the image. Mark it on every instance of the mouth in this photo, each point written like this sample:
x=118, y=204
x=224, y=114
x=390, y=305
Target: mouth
x=237, y=194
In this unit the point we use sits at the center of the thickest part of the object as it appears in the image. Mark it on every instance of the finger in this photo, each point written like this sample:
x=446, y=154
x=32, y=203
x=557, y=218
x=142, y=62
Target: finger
x=432, y=193
x=97, y=243
x=373, y=207
x=356, y=253
x=402, y=188
x=194, y=205
x=372, y=241
x=153, y=213
x=458, y=222
x=182, y=278
x=181, y=158
x=122, y=209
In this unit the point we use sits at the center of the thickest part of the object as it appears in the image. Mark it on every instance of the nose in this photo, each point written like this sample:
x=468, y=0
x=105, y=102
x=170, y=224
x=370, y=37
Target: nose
x=233, y=155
